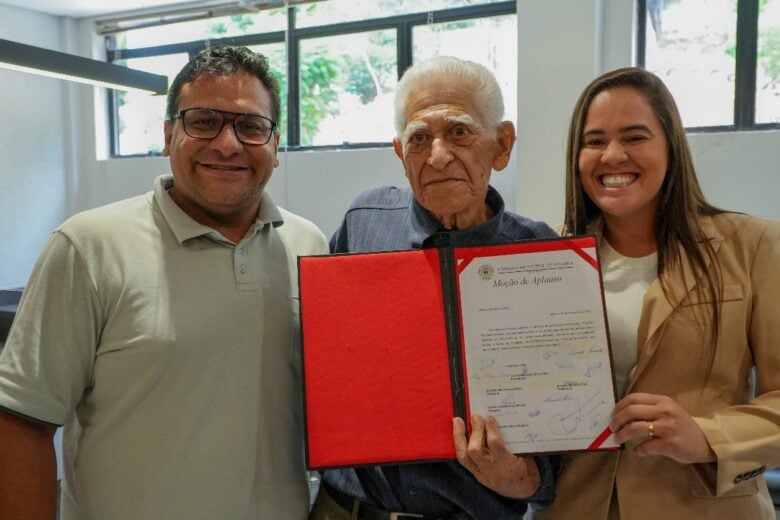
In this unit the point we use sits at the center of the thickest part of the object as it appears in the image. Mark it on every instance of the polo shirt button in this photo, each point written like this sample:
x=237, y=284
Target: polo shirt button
x=239, y=251
x=242, y=269
x=412, y=491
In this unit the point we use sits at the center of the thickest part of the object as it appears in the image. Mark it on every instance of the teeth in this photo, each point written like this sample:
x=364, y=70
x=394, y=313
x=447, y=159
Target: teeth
x=229, y=168
x=623, y=179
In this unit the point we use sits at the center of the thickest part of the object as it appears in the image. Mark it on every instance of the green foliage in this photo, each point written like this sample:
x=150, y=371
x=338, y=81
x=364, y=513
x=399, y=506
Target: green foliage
x=242, y=22
x=769, y=52
x=452, y=26
x=359, y=80
x=239, y=23
x=389, y=5
x=367, y=73
x=362, y=73
x=281, y=76
x=317, y=97
x=217, y=29
x=120, y=97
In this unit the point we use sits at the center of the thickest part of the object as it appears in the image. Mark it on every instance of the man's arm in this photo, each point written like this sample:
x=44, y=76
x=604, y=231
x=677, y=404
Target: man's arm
x=28, y=469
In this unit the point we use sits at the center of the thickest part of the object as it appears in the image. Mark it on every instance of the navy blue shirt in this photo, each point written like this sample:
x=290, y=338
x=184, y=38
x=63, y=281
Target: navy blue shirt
x=390, y=219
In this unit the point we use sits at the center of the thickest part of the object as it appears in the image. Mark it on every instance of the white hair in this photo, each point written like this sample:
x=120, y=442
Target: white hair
x=487, y=94
x=416, y=126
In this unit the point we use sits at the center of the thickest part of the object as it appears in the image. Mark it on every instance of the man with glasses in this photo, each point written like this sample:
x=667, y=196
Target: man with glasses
x=161, y=330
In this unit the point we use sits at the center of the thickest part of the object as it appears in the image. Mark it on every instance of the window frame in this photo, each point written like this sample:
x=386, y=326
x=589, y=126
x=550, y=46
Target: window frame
x=403, y=24
x=746, y=62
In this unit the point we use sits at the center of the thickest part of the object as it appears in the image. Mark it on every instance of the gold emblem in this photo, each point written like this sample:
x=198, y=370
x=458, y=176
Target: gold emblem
x=486, y=271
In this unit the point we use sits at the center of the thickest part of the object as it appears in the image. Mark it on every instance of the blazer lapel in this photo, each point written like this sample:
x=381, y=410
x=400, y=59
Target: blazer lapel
x=656, y=308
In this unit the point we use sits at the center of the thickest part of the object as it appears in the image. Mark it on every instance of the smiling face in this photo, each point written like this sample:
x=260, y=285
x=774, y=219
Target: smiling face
x=623, y=156
x=448, y=152
x=219, y=182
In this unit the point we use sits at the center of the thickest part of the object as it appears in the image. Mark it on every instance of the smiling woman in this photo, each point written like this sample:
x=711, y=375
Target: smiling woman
x=691, y=301
x=622, y=164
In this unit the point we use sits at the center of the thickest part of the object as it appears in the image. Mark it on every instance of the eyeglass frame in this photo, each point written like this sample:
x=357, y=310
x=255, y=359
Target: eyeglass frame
x=236, y=115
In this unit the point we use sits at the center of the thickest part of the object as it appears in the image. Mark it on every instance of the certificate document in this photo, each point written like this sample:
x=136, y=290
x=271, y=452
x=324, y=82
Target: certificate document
x=536, y=345
x=395, y=344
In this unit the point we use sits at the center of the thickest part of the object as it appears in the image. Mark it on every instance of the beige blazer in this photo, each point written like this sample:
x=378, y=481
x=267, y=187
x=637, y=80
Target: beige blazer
x=744, y=432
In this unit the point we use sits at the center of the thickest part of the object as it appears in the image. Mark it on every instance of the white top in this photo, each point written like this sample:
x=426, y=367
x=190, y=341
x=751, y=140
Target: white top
x=171, y=357
x=625, y=282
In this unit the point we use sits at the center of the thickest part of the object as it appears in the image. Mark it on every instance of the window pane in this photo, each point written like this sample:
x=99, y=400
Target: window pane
x=346, y=88
x=277, y=59
x=141, y=115
x=483, y=40
x=768, y=72
x=211, y=28
x=337, y=11
x=690, y=45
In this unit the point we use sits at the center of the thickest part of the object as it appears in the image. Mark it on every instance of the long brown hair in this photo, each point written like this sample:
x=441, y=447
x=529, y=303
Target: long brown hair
x=680, y=199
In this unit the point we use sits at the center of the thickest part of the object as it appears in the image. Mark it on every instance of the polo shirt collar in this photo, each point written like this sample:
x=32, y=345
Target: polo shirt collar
x=427, y=232
x=185, y=227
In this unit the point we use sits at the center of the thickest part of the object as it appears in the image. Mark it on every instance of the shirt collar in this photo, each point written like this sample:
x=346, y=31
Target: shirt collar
x=185, y=227
x=427, y=232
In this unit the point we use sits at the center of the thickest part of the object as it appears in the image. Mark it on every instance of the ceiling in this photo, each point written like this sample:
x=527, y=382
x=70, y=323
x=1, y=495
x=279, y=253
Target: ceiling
x=87, y=8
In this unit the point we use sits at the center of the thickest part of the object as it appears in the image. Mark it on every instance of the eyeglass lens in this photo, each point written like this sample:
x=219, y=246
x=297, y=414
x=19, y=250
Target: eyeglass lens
x=202, y=123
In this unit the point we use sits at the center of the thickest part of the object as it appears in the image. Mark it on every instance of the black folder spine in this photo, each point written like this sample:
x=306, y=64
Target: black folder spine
x=452, y=320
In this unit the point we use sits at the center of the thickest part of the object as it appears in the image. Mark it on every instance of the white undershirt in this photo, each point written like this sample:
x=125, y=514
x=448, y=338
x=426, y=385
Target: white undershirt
x=625, y=282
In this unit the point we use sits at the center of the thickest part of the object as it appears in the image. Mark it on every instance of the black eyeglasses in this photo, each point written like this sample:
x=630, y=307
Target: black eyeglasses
x=207, y=123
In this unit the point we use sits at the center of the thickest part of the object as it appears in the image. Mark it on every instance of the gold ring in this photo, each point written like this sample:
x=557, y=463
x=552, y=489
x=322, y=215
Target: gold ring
x=650, y=429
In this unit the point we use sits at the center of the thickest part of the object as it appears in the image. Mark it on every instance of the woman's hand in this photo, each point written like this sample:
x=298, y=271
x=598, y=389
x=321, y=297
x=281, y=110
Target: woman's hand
x=486, y=457
x=663, y=427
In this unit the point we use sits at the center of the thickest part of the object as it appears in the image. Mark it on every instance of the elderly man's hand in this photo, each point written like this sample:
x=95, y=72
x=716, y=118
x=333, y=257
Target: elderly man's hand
x=486, y=457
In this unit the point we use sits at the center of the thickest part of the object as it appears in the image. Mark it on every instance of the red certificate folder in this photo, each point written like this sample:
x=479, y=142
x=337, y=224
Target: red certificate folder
x=383, y=355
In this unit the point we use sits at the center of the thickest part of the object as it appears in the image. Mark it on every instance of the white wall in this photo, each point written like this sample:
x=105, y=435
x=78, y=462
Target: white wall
x=55, y=169
x=561, y=47
x=32, y=181
x=739, y=170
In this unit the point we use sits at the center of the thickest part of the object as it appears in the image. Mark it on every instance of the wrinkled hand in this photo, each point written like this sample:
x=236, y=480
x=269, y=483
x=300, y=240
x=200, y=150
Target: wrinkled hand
x=486, y=457
x=677, y=435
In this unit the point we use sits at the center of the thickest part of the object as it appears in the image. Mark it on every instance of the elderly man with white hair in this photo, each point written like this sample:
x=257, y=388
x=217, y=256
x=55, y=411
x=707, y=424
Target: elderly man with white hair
x=450, y=137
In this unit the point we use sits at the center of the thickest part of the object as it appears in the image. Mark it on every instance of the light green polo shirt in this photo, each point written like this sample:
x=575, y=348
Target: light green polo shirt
x=171, y=357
